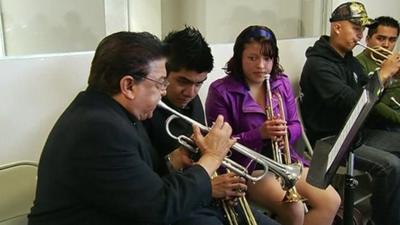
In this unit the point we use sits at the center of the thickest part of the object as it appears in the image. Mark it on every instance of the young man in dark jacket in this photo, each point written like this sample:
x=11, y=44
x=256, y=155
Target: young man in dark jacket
x=331, y=83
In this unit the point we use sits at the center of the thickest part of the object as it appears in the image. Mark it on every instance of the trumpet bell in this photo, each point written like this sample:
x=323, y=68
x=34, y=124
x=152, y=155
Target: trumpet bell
x=292, y=175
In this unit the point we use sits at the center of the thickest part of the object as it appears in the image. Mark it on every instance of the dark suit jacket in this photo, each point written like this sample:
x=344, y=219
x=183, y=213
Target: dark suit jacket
x=96, y=168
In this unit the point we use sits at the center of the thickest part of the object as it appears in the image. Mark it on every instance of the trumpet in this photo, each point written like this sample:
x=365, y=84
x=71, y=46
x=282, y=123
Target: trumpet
x=289, y=173
x=232, y=216
x=281, y=157
x=378, y=54
x=230, y=212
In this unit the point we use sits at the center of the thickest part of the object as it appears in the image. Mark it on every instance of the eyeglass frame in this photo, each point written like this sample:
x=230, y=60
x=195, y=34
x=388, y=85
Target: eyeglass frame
x=161, y=85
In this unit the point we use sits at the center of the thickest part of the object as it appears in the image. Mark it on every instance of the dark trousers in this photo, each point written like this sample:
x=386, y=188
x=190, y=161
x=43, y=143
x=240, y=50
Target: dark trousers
x=214, y=215
x=379, y=156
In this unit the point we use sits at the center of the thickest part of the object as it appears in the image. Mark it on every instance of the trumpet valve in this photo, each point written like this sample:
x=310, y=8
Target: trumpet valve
x=293, y=196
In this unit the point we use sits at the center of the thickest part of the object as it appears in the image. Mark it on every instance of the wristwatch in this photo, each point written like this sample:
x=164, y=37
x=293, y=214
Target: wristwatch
x=168, y=162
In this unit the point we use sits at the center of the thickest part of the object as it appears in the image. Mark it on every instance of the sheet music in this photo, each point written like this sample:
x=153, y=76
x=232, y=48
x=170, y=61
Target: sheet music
x=346, y=129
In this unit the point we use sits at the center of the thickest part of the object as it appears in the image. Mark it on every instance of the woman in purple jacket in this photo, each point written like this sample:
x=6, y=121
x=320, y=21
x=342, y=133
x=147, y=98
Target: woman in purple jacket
x=241, y=98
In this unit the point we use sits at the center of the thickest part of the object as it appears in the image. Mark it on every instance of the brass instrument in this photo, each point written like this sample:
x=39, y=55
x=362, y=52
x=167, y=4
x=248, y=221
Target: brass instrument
x=231, y=214
x=378, y=54
x=291, y=194
x=289, y=173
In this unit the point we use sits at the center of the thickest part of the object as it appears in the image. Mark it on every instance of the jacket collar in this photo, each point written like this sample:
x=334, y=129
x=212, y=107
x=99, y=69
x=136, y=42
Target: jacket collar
x=237, y=87
x=110, y=101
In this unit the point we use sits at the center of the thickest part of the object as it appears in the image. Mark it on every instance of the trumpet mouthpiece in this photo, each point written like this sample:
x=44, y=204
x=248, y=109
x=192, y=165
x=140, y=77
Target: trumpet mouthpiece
x=362, y=45
x=162, y=104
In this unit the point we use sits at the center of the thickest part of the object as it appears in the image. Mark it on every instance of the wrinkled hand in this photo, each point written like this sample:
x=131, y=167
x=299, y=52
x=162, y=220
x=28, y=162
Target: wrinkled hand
x=218, y=140
x=228, y=186
x=272, y=129
x=215, y=145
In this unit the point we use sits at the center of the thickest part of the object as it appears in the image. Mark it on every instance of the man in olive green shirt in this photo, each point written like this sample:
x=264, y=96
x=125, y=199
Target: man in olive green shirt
x=386, y=113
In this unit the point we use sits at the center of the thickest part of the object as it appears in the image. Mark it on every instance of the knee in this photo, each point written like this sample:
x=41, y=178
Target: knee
x=329, y=202
x=297, y=210
x=334, y=201
x=391, y=167
x=291, y=213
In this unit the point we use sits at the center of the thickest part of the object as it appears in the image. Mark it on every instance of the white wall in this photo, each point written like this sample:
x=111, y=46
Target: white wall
x=52, y=26
x=311, y=13
x=116, y=16
x=36, y=90
x=222, y=26
x=221, y=21
x=145, y=15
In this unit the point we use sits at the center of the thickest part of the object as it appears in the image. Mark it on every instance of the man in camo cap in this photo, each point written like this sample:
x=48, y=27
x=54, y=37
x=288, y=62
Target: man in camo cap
x=331, y=82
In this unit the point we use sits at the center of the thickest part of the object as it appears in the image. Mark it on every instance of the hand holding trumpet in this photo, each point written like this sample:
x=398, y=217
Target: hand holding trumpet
x=390, y=66
x=275, y=130
x=215, y=145
x=228, y=186
x=389, y=61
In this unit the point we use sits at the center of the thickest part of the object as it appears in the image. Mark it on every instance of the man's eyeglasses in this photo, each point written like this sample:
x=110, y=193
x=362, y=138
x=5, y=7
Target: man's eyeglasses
x=161, y=85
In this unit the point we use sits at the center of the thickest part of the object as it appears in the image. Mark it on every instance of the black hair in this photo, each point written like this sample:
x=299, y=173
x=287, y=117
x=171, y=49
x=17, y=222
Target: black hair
x=187, y=49
x=120, y=54
x=259, y=34
x=383, y=21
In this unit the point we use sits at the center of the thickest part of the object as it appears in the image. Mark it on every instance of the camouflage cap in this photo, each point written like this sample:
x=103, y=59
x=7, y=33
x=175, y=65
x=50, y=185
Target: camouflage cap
x=352, y=11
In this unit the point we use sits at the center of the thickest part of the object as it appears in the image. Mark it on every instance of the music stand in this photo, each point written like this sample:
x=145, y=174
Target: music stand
x=327, y=158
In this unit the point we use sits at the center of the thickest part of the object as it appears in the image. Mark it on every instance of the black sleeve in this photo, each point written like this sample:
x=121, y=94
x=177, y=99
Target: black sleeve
x=114, y=173
x=331, y=86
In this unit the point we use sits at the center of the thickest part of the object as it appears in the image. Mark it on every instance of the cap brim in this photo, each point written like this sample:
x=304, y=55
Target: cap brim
x=364, y=21
x=369, y=22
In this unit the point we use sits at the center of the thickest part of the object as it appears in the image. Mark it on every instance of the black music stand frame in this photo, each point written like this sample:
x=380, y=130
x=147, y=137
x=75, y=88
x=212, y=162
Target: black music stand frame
x=350, y=185
x=327, y=157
